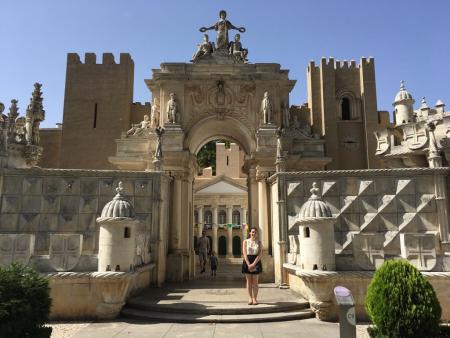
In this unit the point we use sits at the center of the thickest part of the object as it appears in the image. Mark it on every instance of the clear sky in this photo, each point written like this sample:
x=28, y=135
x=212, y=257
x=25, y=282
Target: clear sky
x=410, y=40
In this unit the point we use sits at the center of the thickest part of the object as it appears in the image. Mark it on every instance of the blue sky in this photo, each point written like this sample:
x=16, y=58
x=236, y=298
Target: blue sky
x=408, y=38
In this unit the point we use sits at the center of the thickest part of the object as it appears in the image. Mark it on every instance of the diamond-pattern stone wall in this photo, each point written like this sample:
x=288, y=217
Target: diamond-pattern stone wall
x=373, y=207
x=44, y=202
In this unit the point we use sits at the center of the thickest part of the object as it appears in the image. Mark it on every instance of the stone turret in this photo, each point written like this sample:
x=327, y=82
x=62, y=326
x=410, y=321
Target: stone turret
x=117, y=238
x=403, y=105
x=316, y=234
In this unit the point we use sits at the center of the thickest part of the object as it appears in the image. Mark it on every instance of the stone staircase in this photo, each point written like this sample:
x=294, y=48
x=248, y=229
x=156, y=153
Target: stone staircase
x=205, y=301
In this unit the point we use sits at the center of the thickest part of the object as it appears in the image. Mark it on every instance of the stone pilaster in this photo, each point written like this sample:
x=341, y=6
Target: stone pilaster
x=200, y=221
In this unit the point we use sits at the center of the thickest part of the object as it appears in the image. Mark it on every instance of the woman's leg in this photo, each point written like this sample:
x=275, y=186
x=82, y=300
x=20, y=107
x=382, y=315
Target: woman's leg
x=255, y=288
x=249, y=279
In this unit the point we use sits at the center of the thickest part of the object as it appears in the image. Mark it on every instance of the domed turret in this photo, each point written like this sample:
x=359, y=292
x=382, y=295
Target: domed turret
x=403, y=105
x=314, y=207
x=316, y=233
x=117, y=239
x=119, y=207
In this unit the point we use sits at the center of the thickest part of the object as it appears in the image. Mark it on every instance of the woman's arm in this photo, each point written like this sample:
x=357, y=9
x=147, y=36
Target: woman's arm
x=244, y=252
x=258, y=258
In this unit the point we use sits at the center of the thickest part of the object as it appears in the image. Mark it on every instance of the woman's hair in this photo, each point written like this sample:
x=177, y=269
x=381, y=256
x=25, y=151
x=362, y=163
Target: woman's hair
x=250, y=230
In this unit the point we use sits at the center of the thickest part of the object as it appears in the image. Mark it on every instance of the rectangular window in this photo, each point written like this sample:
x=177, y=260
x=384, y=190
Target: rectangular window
x=95, y=116
x=127, y=232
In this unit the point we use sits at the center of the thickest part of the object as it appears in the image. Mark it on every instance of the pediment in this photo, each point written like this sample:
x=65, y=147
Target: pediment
x=221, y=185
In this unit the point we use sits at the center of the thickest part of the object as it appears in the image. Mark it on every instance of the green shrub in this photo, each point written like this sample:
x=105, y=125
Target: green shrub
x=402, y=303
x=24, y=303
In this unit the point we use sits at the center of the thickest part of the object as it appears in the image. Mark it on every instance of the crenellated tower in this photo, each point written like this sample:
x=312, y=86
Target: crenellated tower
x=343, y=109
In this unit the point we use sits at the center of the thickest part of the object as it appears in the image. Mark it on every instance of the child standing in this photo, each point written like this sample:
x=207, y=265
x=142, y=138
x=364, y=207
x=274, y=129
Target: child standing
x=214, y=263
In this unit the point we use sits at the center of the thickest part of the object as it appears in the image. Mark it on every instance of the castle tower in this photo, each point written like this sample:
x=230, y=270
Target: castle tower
x=316, y=234
x=117, y=242
x=98, y=103
x=403, y=105
x=343, y=110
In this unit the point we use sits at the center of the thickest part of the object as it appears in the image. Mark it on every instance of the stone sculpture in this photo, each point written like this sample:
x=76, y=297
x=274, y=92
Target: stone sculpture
x=205, y=48
x=157, y=158
x=139, y=128
x=172, y=109
x=222, y=27
x=237, y=51
x=266, y=108
x=35, y=114
x=154, y=116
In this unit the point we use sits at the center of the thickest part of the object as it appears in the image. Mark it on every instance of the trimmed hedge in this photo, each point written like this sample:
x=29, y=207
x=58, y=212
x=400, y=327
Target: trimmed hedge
x=402, y=303
x=24, y=303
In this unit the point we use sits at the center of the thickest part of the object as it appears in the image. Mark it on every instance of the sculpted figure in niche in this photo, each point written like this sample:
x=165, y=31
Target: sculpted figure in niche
x=222, y=27
x=139, y=128
x=204, y=49
x=172, y=109
x=3, y=131
x=237, y=51
x=266, y=108
x=154, y=116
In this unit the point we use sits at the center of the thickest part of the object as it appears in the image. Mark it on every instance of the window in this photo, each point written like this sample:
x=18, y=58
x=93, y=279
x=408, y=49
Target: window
x=95, y=116
x=315, y=267
x=222, y=217
x=127, y=232
x=306, y=232
x=345, y=109
x=236, y=217
x=228, y=160
x=208, y=217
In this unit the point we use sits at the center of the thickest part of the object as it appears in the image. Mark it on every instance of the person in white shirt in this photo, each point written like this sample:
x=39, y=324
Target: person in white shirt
x=251, y=266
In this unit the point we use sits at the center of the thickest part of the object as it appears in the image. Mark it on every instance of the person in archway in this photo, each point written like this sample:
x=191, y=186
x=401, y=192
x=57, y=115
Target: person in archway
x=251, y=266
x=203, y=249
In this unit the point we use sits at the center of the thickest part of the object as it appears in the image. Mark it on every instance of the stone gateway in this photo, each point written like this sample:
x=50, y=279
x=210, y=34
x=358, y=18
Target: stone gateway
x=333, y=186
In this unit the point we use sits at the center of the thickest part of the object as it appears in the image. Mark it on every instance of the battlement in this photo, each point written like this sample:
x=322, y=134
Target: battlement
x=91, y=59
x=140, y=104
x=331, y=63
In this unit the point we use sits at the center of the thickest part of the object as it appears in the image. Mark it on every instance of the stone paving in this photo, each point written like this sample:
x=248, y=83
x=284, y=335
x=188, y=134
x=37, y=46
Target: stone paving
x=308, y=328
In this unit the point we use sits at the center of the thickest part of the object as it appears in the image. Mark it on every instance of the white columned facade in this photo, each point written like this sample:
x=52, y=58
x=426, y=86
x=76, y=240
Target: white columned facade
x=229, y=231
x=244, y=221
x=200, y=221
x=215, y=240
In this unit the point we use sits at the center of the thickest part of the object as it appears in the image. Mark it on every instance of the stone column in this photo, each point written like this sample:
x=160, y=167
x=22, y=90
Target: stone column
x=263, y=225
x=229, y=231
x=200, y=220
x=215, y=240
x=252, y=198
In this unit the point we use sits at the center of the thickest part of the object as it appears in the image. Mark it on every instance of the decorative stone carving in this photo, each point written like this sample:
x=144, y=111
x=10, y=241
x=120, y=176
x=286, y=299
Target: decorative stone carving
x=65, y=251
x=266, y=109
x=383, y=144
x=293, y=249
x=204, y=49
x=368, y=250
x=139, y=128
x=19, y=136
x=157, y=158
x=222, y=27
x=237, y=51
x=143, y=254
x=434, y=157
x=419, y=250
x=172, y=109
x=286, y=115
x=16, y=248
x=154, y=116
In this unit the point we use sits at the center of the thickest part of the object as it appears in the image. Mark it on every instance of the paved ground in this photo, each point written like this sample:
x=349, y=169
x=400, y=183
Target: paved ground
x=308, y=328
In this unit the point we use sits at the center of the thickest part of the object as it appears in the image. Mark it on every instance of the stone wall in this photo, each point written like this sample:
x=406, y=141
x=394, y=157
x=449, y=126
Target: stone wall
x=317, y=287
x=48, y=216
x=380, y=214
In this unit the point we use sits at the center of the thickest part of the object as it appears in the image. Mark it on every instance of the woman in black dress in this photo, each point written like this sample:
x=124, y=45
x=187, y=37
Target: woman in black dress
x=251, y=266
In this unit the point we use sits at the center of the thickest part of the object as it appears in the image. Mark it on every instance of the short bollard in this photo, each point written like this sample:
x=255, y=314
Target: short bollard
x=347, y=317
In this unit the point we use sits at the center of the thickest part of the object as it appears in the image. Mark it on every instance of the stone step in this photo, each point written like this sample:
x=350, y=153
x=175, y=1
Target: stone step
x=215, y=318
x=212, y=308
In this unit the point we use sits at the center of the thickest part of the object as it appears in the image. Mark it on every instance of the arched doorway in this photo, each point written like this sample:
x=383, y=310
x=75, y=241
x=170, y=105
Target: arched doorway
x=210, y=242
x=237, y=246
x=222, y=246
